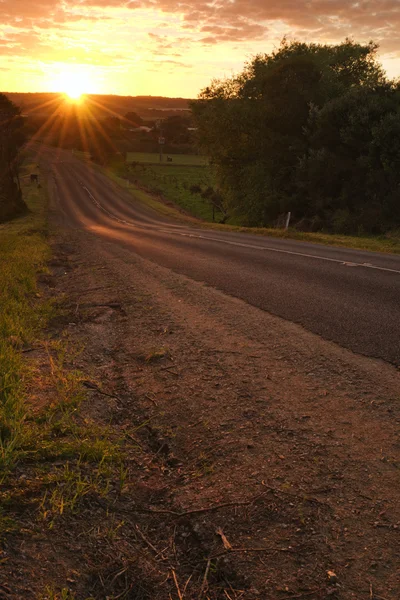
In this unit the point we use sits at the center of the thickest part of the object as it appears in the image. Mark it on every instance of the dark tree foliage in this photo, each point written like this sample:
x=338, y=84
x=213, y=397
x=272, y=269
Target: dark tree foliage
x=133, y=118
x=312, y=129
x=11, y=140
x=349, y=178
x=175, y=129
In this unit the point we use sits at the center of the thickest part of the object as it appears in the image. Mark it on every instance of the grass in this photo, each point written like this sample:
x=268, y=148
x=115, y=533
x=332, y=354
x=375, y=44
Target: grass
x=24, y=252
x=57, y=464
x=177, y=159
x=64, y=458
x=52, y=594
x=181, y=185
x=145, y=197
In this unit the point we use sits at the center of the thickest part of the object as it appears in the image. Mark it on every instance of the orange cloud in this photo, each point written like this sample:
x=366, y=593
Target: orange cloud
x=211, y=36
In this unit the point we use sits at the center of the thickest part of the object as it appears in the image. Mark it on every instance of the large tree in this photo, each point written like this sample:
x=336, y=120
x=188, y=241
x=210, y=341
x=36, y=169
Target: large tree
x=266, y=130
x=11, y=141
x=349, y=178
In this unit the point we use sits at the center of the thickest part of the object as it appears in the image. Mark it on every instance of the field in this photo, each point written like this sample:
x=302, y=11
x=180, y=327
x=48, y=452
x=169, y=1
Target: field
x=183, y=185
x=177, y=159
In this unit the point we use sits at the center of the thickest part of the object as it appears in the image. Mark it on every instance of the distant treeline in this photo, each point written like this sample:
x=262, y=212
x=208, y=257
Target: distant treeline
x=107, y=137
x=148, y=107
x=311, y=129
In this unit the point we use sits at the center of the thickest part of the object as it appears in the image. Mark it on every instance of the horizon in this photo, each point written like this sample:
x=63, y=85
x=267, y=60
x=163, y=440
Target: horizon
x=101, y=94
x=106, y=47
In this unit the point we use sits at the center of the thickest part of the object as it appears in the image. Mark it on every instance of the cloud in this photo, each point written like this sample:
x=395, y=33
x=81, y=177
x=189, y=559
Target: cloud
x=223, y=20
x=210, y=35
x=236, y=31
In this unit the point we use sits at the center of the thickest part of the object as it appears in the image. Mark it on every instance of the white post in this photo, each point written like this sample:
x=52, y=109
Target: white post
x=288, y=221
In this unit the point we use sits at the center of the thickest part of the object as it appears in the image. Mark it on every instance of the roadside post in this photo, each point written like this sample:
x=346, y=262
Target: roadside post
x=287, y=221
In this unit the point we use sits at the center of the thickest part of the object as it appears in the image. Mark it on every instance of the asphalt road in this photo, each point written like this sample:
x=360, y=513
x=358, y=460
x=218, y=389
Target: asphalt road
x=347, y=296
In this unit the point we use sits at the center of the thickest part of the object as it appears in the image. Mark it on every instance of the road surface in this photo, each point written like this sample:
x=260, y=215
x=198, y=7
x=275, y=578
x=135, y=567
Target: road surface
x=347, y=296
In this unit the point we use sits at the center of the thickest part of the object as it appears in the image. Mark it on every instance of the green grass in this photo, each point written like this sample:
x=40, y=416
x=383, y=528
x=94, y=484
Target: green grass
x=23, y=253
x=52, y=594
x=177, y=185
x=33, y=439
x=177, y=159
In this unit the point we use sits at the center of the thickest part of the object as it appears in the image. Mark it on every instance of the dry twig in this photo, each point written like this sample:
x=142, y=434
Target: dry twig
x=92, y=386
x=204, y=585
x=186, y=584
x=194, y=511
x=176, y=584
x=148, y=543
x=225, y=541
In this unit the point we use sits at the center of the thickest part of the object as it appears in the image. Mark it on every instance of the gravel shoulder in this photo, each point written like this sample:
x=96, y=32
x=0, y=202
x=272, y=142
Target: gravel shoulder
x=266, y=461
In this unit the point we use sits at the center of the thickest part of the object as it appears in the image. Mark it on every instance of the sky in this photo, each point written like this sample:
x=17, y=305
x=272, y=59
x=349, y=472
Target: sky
x=171, y=47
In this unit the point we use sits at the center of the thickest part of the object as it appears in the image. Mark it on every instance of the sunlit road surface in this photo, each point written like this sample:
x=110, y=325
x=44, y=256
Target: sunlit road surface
x=346, y=296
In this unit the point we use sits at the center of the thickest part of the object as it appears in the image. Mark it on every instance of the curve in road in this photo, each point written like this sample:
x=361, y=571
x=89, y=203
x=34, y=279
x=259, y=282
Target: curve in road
x=347, y=296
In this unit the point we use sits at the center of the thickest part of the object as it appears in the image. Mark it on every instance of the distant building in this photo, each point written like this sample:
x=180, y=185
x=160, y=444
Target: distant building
x=141, y=128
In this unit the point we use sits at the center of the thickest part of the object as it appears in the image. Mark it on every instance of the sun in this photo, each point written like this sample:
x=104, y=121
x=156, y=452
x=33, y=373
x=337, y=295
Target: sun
x=74, y=94
x=73, y=85
x=74, y=81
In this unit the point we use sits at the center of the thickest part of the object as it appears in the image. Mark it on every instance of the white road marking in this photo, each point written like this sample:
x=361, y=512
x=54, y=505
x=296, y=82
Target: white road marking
x=292, y=252
x=243, y=245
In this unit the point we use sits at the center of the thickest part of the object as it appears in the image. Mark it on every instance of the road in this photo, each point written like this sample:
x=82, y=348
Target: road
x=347, y=296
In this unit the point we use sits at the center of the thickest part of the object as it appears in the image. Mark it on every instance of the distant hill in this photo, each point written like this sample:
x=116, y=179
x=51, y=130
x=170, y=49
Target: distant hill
x=148, y=107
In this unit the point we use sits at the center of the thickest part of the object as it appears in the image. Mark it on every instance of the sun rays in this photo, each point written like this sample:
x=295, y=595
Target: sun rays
x=75, y=109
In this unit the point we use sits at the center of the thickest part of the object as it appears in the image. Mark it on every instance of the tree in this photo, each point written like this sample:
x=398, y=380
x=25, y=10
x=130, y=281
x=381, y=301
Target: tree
x=351, y=172
x=175, y=129
x=11, y=141
x=134, y=118
x=111, y=126
x=258, y=127
x=101, y=147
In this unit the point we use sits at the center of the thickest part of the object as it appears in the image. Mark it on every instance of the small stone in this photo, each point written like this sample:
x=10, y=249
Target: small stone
x=332, y=577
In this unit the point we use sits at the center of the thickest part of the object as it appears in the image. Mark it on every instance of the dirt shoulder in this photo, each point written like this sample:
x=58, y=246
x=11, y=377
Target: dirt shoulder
x=259, y=461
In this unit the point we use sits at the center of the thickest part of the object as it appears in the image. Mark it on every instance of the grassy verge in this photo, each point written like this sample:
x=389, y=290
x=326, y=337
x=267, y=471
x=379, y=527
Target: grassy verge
x=53, y=460
x=387, y=244
x=23, y=252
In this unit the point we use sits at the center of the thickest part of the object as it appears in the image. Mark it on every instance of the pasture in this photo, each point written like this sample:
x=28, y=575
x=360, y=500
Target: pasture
x=182, y=185
x=150, y=158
